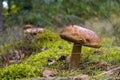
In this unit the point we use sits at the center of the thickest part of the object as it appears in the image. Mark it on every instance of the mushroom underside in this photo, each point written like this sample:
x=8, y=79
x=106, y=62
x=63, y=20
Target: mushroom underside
x=83, y=42
x=71, y=39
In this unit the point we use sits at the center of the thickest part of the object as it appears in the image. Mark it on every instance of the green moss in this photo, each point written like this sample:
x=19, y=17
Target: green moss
x=48, y=36
x=53, y=51
x=19, y=71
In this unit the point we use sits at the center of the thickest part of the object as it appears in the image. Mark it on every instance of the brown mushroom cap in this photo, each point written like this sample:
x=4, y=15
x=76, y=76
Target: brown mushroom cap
x=27, y=26
x=83, y=36
x=34, y=30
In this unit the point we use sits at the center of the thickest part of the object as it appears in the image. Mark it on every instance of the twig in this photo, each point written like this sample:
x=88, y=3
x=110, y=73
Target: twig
x=109, y=72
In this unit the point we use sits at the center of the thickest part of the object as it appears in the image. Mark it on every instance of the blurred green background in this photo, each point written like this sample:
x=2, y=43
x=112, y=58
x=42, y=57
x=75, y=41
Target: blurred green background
x=102, y=16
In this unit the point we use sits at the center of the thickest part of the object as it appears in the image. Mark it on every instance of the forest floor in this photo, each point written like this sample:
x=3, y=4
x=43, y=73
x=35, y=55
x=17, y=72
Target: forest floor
x=43, y=57
x=49, y=47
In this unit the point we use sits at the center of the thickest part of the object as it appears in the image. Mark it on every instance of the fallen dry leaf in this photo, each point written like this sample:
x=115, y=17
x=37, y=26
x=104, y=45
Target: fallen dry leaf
x=48, y=73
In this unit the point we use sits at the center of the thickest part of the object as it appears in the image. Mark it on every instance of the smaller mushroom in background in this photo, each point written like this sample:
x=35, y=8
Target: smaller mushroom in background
x=80, y=37
x=27, y=26
x=29, y=29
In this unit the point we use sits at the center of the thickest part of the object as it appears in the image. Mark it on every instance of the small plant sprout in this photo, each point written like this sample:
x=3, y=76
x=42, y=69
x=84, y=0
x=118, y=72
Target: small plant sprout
x=80, y=37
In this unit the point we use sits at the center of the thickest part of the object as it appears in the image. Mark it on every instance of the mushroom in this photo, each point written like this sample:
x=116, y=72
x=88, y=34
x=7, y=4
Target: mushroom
x=32, y=30
x=80, y=37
